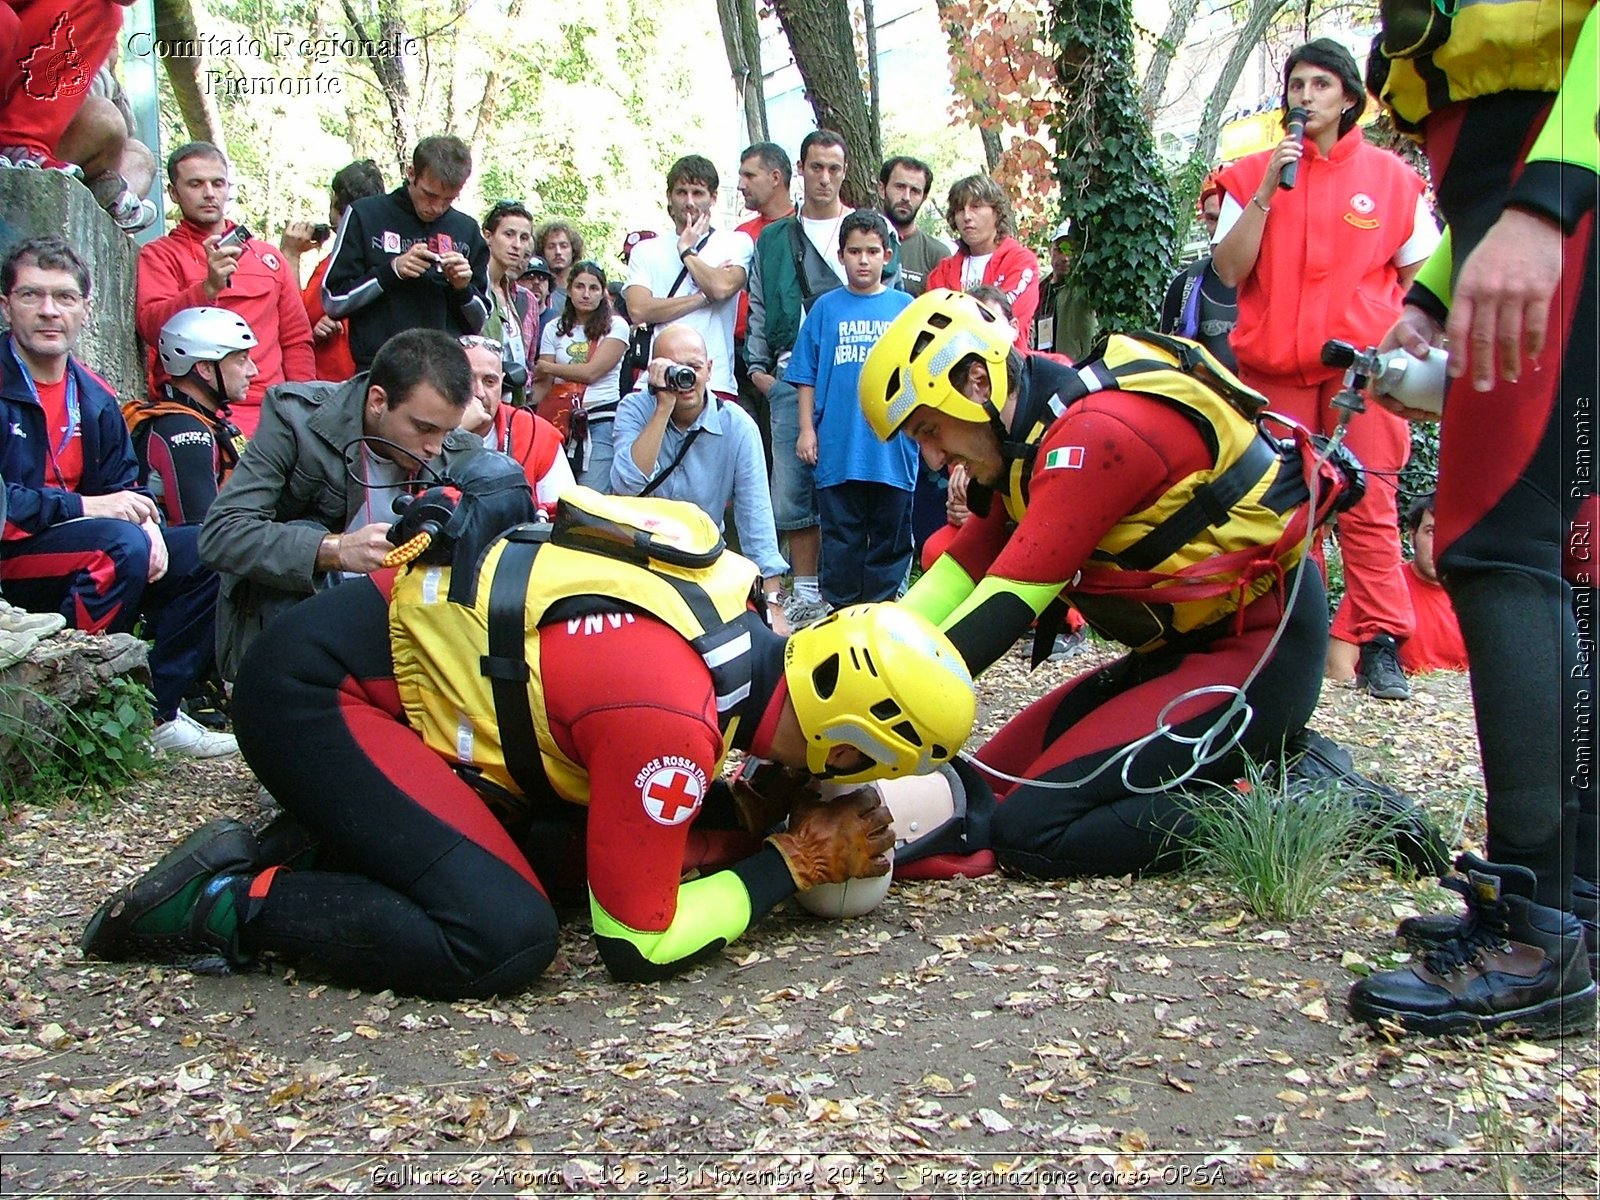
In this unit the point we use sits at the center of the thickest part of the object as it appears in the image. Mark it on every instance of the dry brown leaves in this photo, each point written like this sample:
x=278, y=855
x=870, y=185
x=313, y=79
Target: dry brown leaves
x=993, y=1036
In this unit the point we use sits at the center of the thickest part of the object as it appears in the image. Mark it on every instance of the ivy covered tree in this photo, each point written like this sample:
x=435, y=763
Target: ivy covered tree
x=1112, y=185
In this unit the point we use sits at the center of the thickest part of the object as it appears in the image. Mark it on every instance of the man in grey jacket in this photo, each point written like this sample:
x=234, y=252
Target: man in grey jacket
x=311, y=502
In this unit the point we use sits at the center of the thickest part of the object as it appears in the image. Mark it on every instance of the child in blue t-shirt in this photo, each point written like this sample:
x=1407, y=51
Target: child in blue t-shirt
x=863, y=485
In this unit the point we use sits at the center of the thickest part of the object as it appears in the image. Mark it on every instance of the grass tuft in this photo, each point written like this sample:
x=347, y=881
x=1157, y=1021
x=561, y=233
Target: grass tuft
x=1283, y=850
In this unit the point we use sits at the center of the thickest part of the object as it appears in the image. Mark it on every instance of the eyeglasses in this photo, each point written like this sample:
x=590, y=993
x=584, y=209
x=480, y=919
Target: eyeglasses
x=32, y=297
x=473, y=341
x=591, y=267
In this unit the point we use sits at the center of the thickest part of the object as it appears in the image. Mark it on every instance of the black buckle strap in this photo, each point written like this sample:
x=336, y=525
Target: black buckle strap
x=1209, y=506
x=506, y=666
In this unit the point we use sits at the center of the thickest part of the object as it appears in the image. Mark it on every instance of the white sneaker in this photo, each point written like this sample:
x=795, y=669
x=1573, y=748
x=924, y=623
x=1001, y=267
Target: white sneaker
x=131, y=213
x=20, y=620
x=186, y=737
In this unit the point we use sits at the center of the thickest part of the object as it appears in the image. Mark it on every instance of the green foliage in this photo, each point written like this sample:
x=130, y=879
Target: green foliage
x=1282, y=849
x=1421, y=474
x=1111, y=181
x=95, y=750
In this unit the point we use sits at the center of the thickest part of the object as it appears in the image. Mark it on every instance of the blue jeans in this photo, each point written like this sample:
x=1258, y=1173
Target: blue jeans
x=866, y=542
x=794, y=494
x=596, y=472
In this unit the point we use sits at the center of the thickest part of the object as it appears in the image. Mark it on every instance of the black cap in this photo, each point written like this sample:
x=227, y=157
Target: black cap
x=537, y=266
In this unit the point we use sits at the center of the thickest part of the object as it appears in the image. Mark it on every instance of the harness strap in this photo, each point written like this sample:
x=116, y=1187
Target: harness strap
x=506, y=666
x=1208, y=507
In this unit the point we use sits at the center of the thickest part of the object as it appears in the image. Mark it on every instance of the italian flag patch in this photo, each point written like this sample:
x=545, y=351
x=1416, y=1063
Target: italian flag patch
x=1070, y=457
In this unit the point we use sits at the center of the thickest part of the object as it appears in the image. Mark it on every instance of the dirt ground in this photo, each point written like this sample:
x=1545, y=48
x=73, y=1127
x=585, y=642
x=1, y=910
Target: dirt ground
x=990, y=1037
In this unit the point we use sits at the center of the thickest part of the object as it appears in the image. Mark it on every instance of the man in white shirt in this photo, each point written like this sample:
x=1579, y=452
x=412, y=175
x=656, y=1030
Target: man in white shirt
x=693, y=279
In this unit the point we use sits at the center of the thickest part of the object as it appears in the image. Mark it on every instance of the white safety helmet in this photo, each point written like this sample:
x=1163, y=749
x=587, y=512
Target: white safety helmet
x=198, y=335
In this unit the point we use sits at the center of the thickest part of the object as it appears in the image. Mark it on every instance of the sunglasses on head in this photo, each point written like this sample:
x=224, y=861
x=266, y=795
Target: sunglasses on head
x=473, y=341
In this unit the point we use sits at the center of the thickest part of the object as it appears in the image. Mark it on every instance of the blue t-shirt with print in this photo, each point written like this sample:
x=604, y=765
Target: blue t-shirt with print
x=833, y=342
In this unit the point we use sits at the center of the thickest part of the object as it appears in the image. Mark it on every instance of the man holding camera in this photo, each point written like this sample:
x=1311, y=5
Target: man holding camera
x=208, y=260
x=663, y=449
x=408, y=260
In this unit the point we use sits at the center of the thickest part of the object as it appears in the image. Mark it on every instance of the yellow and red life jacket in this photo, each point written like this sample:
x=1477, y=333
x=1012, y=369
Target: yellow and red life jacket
x=466, y=659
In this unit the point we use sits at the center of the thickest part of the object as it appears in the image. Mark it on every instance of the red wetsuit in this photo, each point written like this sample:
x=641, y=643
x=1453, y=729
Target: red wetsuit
x=1121, y=453
x=435, y=894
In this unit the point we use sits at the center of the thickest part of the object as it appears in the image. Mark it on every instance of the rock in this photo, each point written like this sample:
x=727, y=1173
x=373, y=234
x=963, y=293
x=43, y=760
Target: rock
x=35, y=203
x=69, y=669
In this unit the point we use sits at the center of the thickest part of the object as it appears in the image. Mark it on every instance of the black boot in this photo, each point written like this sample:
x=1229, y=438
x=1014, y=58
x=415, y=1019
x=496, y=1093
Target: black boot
x=1433, y=930
x=1517, y=962
x=187, y=905
x=1379, y=671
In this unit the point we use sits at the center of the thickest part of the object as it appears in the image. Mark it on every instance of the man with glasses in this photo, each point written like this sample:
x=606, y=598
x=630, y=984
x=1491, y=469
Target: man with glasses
x=80, y=538
x=311, y=501
x=517, y=432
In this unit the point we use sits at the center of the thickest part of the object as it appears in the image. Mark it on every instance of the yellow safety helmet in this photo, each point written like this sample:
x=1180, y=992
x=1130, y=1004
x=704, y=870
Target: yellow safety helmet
x=884, y=680
x=913, y=360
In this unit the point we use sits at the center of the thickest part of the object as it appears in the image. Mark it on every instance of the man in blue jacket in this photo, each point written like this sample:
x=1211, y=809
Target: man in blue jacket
x=80, y=537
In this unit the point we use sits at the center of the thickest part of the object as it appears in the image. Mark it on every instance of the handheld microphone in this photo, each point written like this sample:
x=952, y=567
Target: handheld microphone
x=1297, y=130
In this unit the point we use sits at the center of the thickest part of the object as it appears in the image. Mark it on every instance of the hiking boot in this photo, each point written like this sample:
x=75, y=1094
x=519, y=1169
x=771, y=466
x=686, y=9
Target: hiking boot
x=187, y=738
x=1516, y=962
x=184, y=906
x=1379, y=672
x=20, y=620
x=1433, y=930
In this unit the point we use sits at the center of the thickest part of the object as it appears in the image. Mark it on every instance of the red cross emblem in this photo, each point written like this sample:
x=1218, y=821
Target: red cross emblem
x=672, y=795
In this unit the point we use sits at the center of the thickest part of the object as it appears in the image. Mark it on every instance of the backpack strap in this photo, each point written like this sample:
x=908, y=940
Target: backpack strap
x=506, y=666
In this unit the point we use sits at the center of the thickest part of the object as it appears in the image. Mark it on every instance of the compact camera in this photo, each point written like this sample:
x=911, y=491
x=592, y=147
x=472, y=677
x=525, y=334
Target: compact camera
x=321, y=233
x=237, y=236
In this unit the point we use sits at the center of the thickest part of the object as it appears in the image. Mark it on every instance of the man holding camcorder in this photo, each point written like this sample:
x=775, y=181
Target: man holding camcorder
x=209, y=261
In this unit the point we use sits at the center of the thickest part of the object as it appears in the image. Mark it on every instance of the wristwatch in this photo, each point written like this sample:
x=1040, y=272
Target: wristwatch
x=684, y=254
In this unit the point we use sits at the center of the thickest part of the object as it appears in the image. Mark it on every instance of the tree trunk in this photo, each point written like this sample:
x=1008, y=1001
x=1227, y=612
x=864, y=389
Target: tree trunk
x=874, y=100
x=1112, y=185
x=741, y=38
x=201, y=118
x=489, y=105
x=1155, y=75
x=390, y=71
x=1259, y=16
x=991, y=147
x=819, y=34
